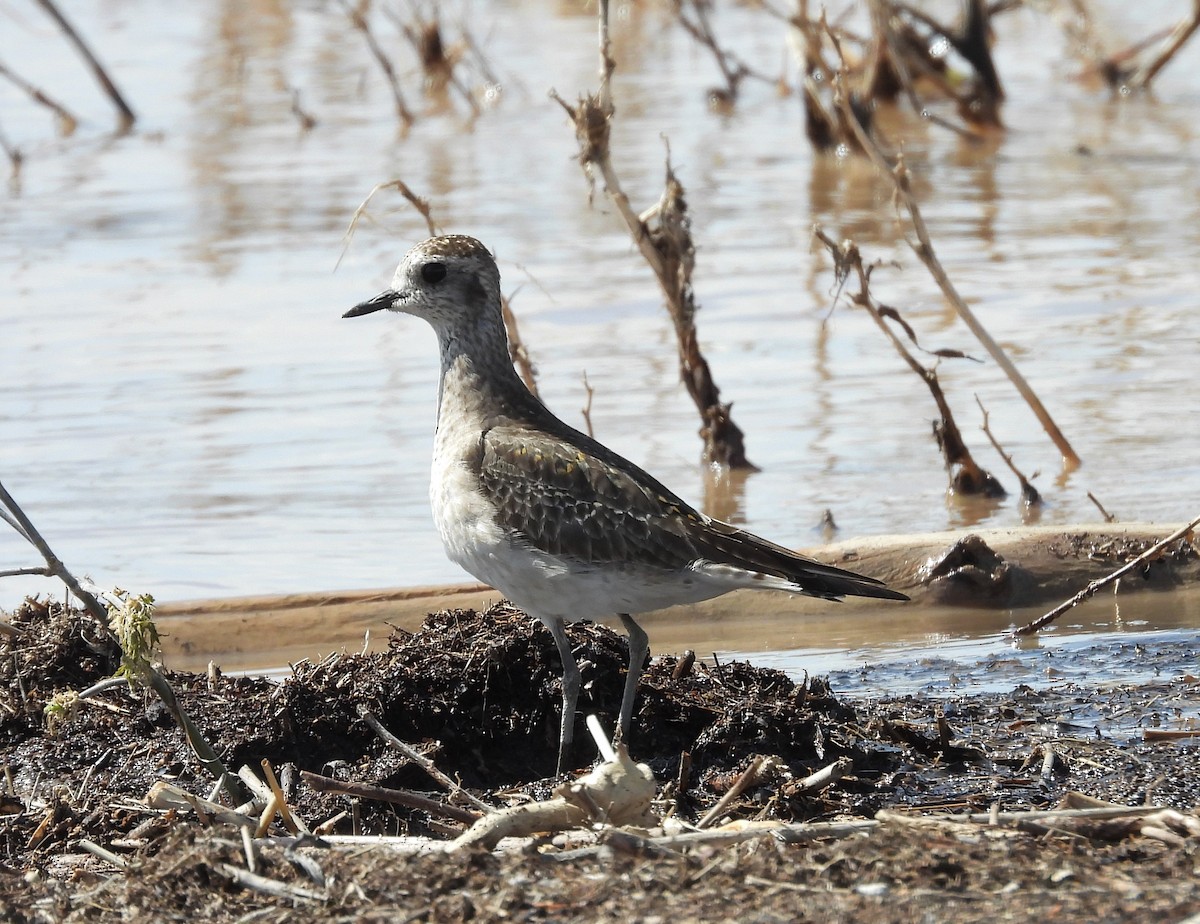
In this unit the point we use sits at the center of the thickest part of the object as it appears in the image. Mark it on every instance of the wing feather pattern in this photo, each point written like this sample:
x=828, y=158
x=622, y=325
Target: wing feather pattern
x=569, y=495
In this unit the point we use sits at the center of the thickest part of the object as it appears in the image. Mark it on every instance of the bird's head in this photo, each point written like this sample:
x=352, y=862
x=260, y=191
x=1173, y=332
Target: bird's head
x=452, y=282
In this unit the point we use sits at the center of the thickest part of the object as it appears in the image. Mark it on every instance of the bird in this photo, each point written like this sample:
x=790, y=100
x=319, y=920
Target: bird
x=557, y=522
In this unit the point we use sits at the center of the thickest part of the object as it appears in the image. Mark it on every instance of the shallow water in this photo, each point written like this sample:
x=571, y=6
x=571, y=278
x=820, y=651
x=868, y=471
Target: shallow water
x=185, y=413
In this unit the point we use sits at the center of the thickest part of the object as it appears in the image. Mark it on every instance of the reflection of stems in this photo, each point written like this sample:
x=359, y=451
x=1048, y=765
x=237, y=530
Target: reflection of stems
x=15, y=517
x=127, y=116
x=1042, y=621
x=899, y=177
x=360, y=23
x=66, y=119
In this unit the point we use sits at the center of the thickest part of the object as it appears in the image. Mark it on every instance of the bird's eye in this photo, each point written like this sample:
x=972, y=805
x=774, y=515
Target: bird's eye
x=433, y=272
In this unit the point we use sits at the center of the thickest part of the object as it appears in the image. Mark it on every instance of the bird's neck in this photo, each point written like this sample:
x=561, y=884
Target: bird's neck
x=478, y=381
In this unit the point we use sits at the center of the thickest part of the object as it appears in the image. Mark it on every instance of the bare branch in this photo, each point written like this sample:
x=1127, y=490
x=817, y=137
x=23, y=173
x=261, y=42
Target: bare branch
x=663, y=236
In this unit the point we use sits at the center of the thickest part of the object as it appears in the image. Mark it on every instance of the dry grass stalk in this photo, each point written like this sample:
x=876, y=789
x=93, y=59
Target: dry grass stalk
x=966, y=475
x=587, y=407
x=663, y=236
x=1108, y=517
x=125, y=113
x=1184, y=533
x=517, y=350
x=901, y=182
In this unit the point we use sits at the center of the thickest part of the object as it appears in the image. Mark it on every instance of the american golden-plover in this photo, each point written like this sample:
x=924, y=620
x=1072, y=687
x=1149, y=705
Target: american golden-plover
x=558, y=523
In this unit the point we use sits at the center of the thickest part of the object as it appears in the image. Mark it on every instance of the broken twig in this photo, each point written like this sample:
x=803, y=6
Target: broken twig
x=1042, y=621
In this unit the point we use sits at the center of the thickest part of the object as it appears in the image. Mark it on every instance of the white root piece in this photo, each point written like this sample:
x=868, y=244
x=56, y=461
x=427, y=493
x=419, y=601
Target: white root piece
x=618, y=792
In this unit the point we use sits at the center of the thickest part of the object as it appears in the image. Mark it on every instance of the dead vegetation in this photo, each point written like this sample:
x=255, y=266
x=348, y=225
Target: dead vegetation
x=742, y=763
x=663, y=235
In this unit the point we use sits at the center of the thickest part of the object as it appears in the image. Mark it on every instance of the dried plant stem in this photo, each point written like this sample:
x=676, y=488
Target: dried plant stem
x=438, y=64
x=516, y=347
x=667, y=248
x=748, y=777
x=382, y=794
x=1108, y=517
x=899, y=176
x=1029, y=494
x=420, y=760
x=1042, y=621
x=14, y=155
x=733, y=69
x=970, y=478
x=16, y=517
x=126, y=114
x=587, y=407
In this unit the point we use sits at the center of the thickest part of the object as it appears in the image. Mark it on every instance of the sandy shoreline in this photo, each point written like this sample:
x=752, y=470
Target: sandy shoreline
x=943, y=572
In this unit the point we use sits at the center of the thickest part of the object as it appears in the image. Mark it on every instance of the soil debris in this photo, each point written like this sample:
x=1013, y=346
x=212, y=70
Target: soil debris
x=477, y=694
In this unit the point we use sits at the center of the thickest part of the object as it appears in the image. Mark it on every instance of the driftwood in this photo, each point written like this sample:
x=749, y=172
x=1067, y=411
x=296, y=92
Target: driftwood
x=618, y=792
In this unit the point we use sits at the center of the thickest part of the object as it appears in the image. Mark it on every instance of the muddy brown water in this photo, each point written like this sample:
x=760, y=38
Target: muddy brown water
x=184, y=413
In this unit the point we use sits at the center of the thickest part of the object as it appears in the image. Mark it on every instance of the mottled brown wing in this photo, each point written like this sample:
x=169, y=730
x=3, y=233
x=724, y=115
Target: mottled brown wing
x=584, y=502
x=570, y=495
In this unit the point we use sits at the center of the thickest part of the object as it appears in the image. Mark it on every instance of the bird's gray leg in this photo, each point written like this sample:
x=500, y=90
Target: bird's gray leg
x=639, y=647
x=570, y=688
